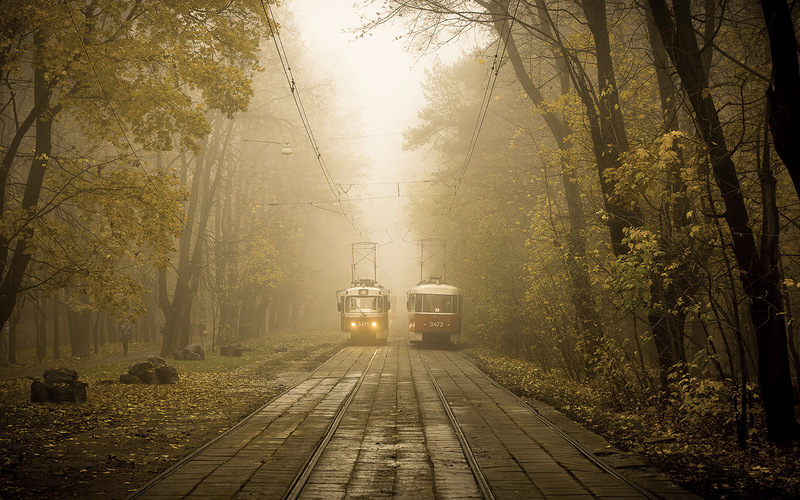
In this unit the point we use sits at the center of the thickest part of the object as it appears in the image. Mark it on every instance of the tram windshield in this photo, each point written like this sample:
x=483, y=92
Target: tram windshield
x=436, y=303
x=364, y=304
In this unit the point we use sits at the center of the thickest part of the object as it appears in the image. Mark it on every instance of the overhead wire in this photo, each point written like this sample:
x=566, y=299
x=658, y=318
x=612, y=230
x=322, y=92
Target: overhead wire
x=484, y=108
x=290, y=80
x=371, y=198
x=335, y=188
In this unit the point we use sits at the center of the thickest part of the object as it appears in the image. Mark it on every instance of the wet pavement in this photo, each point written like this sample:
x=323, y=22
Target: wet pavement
x=385, y=421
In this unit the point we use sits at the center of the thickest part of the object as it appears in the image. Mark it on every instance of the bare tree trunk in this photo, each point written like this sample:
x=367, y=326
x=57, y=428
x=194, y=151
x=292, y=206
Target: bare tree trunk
x=246, y=317
x=575, y=260
x=40, y=322
x=226, y=272
x=80, y=327
x=277, y=312
x=783, y=95
x=261, y=313
x=759, y=270
x=96, y=331
x=57, y=326
x=16, y=316
x=178, y=312
x=17, y=267
x=110, y=325
x=792, y=338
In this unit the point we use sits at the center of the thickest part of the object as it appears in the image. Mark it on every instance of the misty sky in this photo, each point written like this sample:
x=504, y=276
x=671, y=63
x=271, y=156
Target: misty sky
x=381, y=80
x=377, y=80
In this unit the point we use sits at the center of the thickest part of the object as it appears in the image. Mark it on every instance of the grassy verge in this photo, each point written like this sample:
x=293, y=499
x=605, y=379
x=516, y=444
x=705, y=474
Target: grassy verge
x=690, y=442
x=124, y=435
x=27, y=360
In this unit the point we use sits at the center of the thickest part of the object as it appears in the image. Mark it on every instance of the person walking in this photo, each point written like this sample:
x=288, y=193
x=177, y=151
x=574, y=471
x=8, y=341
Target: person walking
x=125, y=336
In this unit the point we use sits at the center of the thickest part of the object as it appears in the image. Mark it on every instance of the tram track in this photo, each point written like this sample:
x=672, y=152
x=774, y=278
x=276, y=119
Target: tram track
x=480, y=478
x=393, y=441
x=142, y=492
x=395, y=421
x=199, y=474
x=301, y=479
x=593, y=458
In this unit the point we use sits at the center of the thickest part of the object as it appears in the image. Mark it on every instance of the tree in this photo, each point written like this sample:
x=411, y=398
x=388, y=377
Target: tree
x=95, y=72
x=758, y=264
x=607, y=132
x=206, y=178
x=660, y=197
x=499, y=16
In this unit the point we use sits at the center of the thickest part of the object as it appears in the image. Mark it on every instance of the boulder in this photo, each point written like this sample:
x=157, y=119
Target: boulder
x=166, y=374
x=144, y=370
x=127, y=378
x=230, y=350
x=80, y=391
x=148, y=376
x=151, y=371
x=59, y=385
x=155, y=361
x=38, y=392
x=60, y=376
x=60, y=393
x=196, y=349
x=136, y=368
x=191, y=352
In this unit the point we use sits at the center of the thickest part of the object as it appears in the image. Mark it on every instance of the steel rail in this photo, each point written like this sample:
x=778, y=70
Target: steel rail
x=302, y=477
x=572, y=441
x=222, y=435
x=477, y=473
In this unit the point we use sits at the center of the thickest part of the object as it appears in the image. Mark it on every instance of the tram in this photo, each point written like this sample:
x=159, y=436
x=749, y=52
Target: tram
x=364, y=310
x=434, y=307
x=434, y=313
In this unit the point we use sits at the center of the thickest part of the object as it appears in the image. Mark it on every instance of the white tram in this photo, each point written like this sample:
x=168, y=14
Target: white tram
x=364, y=310
x=434, y=313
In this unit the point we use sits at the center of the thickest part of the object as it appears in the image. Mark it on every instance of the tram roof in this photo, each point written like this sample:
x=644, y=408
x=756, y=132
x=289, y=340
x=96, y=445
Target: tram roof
x=359, y=290
x=436, y=288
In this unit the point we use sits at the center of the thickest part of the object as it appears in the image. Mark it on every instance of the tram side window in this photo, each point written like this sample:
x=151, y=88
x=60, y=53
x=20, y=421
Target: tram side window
x=435, y=303
x=364, y=304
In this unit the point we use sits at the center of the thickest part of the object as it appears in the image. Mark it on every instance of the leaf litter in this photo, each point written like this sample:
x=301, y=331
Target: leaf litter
x=124, y=435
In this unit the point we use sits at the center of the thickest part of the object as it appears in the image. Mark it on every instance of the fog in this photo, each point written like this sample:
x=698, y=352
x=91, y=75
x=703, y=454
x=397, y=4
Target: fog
x=619, y=201
x=373, y=80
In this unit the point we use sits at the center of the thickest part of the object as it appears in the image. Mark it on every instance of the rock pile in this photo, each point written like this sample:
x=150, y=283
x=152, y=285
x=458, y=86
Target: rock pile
x=192, y=352
x=150, y=371
x=59, y=385
x=234, y=350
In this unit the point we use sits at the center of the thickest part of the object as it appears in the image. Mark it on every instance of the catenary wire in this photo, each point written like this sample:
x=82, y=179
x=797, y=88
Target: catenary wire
x=287, y=70
x=484, y=108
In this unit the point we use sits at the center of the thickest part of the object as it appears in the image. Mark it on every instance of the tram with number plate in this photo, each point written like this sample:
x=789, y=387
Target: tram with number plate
x=364, y=310
x=434, y=313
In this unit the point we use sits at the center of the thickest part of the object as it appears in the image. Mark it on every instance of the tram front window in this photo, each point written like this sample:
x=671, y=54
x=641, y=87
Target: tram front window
x=435, y=303
x=363, y=304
